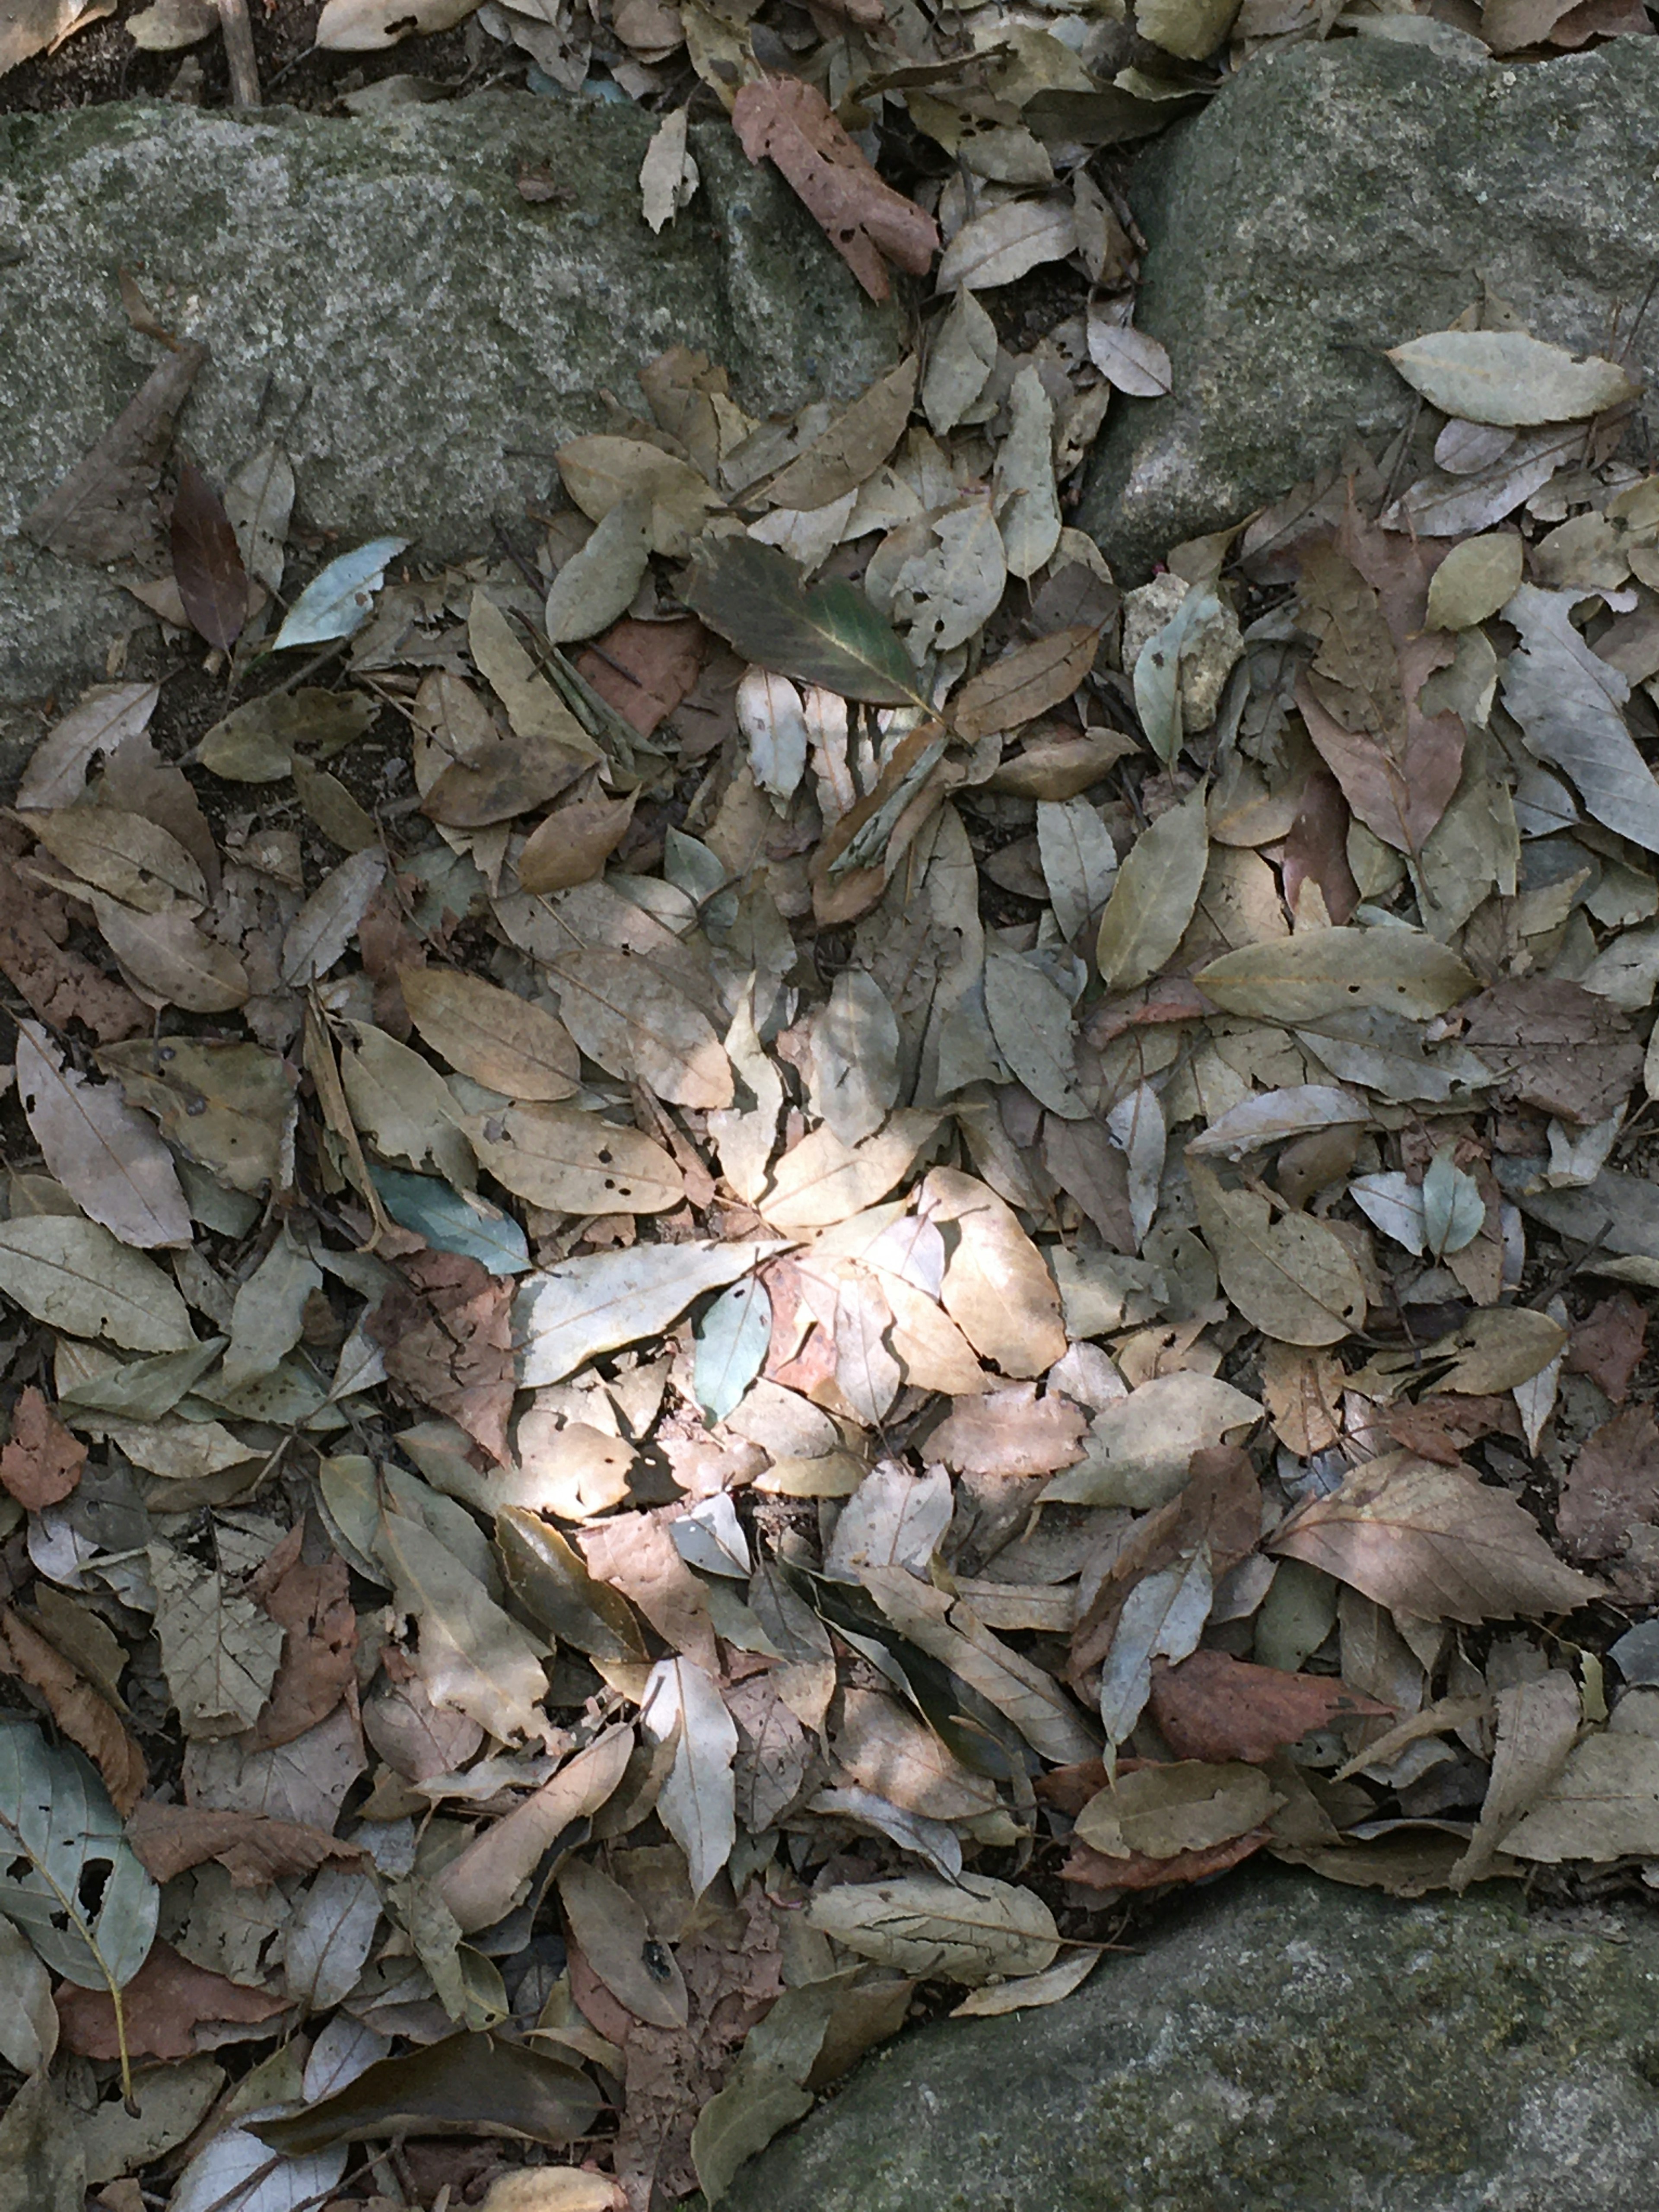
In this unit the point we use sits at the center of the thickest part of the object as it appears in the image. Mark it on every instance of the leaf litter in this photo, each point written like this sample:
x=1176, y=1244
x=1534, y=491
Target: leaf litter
x=893, y=1282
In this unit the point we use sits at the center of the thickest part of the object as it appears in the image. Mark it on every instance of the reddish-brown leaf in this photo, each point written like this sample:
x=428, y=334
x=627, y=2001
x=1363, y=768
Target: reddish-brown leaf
x=644, y=669
x=165, y=2003
x=1215, y=1707
x=1555, y=1046
x=1094, y=1870
x=1316, y=850
x=1220, y=1506
x=1609, y=1344
x=60, y=985
x=311, y=1603
x=105, y=508
x=206, y=563
x=253, y=1849
x=448, y=1341
x=1443, y=1427
x=1009, y=1431
x=84, y=1716
x=42, y=1463
x=864, y=219
x=1610, y=1502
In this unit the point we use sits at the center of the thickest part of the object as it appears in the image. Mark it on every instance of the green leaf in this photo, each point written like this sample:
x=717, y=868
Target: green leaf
x=467, y=2085
x=550, y=1582
x=751, y=594
x=453, y=1221
x=56, y=1813
x=1454, y=1212
x=732, y=1337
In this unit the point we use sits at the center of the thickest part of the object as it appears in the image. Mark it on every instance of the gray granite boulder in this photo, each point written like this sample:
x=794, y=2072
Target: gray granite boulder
x=1283, y=2046
x=1336, y=199
x=379, y=296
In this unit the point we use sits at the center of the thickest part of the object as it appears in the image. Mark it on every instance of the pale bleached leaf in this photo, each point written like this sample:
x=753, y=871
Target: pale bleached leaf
x=568, y=1314
x=219, y=1650
x=1154, y=895
x=697, y=1803
x=108, y=1157
x=969, y=1930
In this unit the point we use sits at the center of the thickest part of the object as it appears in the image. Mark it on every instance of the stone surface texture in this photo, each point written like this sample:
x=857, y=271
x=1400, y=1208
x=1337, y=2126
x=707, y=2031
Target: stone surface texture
x=379, y=297
x=1285, y=2045
x=1335, y=200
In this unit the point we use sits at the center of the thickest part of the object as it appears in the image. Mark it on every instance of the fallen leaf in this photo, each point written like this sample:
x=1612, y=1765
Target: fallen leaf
x=1537, y=1725
x=996, y=1287
x=970, y=1930
x=1009, y=1432
x=109, y=1160
x=1153, y=896
x=1293, y=1276
x=253, y=1849
x=338, y=600
x=1160, y=1812
x=1507, y=377
x=615, y=1941
x=568, y=1314
x=1604, y=1804
x=864, y=219
x=76, y=1276
x=42, y=1462
x=572, y=1161
x=1569, y=705
x=464, y=2085
x=635, y=1023
x=1328, y=971
x=163, y=2007
x=1006, y=243
x=207, y=562
x=832, y=635
x=695, y=1803
x=80, y=1713
x=105, y=508
x=1215, y=1707
x=1431, y=1540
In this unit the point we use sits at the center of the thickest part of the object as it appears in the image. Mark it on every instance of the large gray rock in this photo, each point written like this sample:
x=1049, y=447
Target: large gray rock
x=1336, y=199
x=380, y=297
x=1287, y=2045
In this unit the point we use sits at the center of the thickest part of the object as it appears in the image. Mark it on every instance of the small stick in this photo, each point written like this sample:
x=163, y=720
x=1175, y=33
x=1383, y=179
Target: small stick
x=238, y=52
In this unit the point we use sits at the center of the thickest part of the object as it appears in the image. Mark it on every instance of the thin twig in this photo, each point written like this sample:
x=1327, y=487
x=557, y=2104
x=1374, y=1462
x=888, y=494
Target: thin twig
x=238, y=34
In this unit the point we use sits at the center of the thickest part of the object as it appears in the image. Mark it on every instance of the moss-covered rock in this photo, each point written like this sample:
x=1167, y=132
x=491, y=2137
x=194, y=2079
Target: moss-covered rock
x=1283, y=2046
x=379, y=296
x=1336, y=199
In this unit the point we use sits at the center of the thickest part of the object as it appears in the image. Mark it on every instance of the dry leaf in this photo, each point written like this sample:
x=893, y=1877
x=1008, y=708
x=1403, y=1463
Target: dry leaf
x=863, y=218
x=1432, y=1540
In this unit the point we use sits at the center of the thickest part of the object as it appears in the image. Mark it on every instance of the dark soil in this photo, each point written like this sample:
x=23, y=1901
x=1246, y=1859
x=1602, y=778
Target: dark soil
x=102, y=63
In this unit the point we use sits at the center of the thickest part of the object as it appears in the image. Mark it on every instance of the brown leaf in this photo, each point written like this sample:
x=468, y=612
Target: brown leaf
x=1220, y=1506
x=1009, y=1432
x=1553, y=1045
x=1316, y=850
x=207, y=564
x=1443, y=1427
x=448, y=1340
x=165, y=2003
x=1434, y=1541
x=864, y=219
x=1094, y=1870
x=105, y=508
x=573, y=844
x=254, y=1850
x=1609, y=1344
x=645, y=669
x=1214, y=1707
x=634, y=1552
x=84, y=1716
x=42, y=1463
x=60, y=985
x=1025, y=682
x=1089, y=1167
x=1398, y=767
x=1609, y=1502
x=311, y=1603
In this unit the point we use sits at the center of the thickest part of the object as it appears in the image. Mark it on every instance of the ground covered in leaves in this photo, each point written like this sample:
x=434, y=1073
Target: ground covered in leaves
x=758, y=1258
